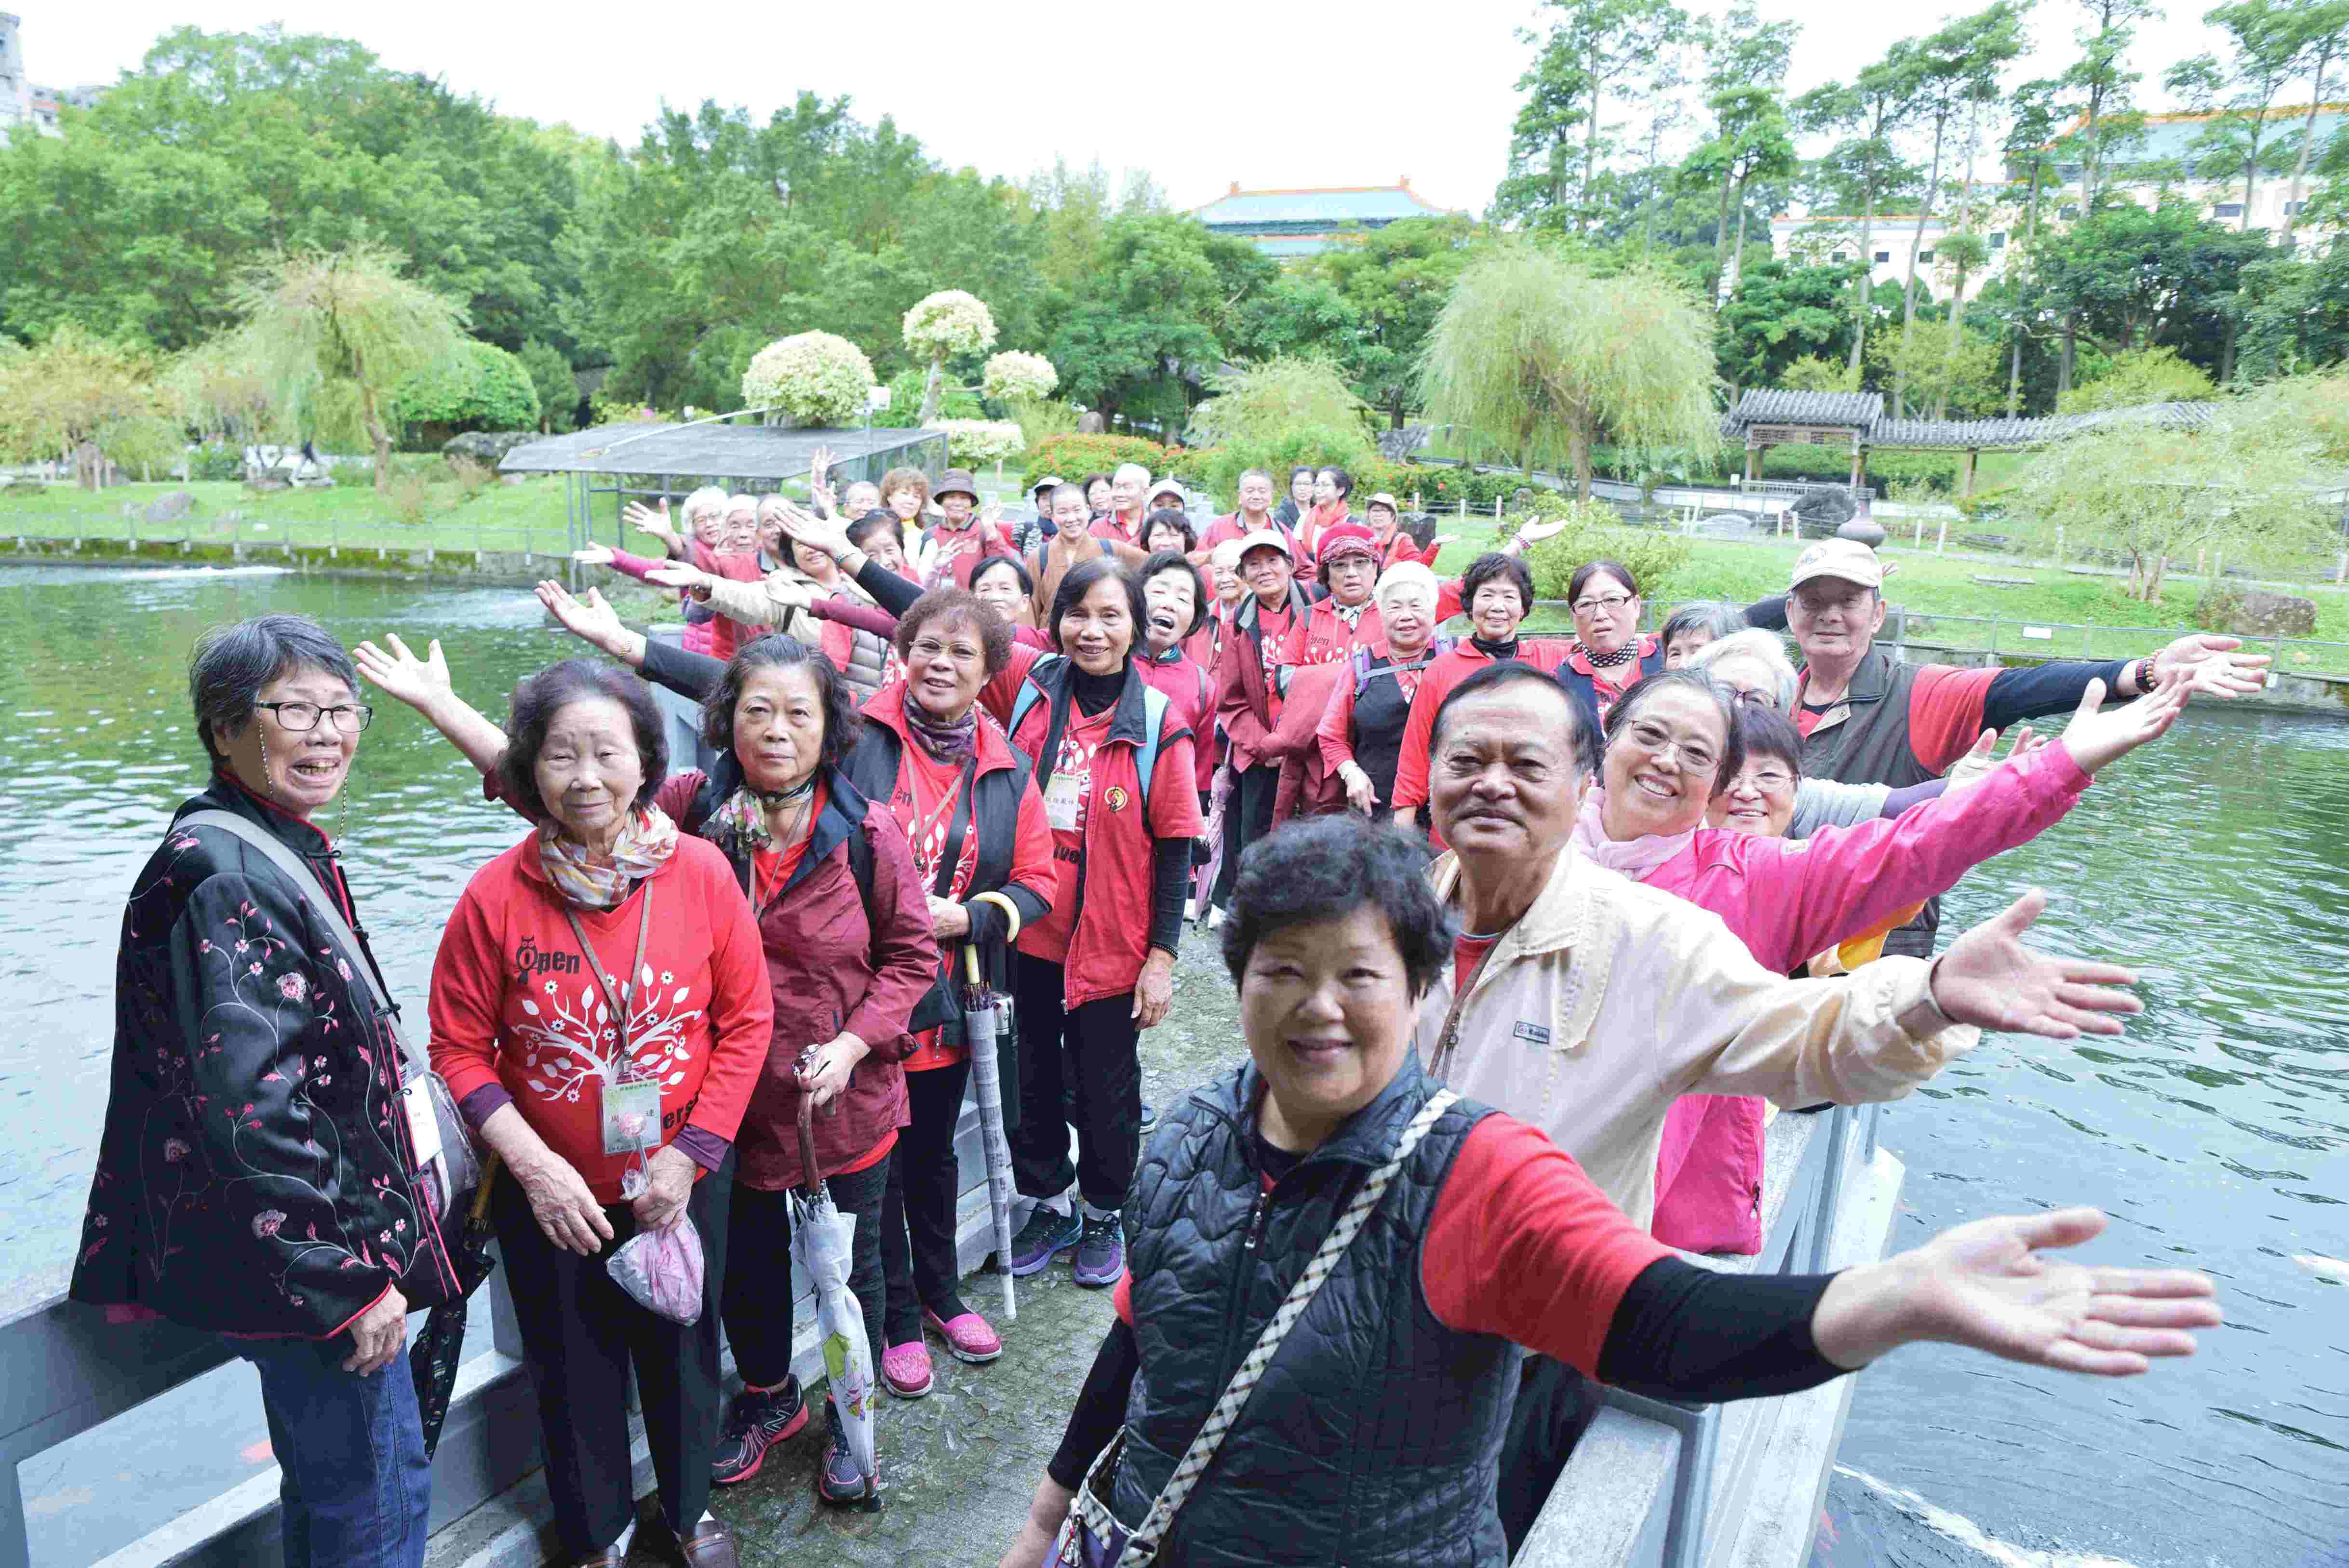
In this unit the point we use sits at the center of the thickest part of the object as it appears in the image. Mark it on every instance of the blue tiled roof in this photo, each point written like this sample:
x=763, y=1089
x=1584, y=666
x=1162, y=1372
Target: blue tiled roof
x=1383, y=204
x=2165, y=138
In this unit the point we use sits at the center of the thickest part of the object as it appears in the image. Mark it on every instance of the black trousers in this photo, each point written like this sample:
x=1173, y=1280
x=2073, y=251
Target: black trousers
x=917, y=1211
x=757, y=1300
x=1555, y=1405
x=1094, y=1050
x=1247, y=817
x=580, y=1333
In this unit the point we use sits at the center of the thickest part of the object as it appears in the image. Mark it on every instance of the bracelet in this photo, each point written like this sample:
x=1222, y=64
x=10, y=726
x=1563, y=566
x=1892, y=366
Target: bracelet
x=2144, y=676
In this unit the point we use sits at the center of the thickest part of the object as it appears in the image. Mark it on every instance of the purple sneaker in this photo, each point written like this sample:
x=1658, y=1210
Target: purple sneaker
x=1047, y=1234
x=1100, y=1252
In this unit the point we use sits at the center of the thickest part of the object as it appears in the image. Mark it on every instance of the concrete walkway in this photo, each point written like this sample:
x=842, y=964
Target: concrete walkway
x=959, y=1465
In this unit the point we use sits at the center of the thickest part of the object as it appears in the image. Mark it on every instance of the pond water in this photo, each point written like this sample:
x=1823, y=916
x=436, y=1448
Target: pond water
x=2216, y=1132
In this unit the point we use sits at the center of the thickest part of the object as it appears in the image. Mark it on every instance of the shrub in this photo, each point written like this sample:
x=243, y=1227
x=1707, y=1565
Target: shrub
x=1812, y=373
x=1073, y=457
x=1041, y=421
x=977, y=442
x=1282, y=397
x=1595, y=532
x=412, y=500
x=480, y=387
x=813, y=377
x=558, y=388
x=1012, y=376
x=948, y=322
x=472, y=478
x=2139, y=375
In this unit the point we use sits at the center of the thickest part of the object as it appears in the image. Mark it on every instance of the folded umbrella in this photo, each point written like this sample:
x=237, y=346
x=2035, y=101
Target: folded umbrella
x=440, y=1344
x=822, y=1243
x=1219, y=801
x=979, y=1015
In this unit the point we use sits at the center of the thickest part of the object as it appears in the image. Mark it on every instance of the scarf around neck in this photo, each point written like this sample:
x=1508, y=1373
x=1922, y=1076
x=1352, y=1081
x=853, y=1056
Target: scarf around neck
x=1635, y=858
x=592, y=881
x=1597, y=661
x=954, y=742
x=743, y=820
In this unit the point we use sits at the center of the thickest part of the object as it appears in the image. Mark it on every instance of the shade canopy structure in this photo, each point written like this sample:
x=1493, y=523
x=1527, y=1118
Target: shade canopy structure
x=652, y=459
x=1856, y=421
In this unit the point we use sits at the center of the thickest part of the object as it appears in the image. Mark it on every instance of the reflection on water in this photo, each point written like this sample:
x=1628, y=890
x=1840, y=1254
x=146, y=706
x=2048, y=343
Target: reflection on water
x=2214, y=1133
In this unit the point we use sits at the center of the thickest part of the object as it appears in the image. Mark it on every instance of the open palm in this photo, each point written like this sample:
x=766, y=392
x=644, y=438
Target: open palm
x=1989, y=978
x=399, y=675
x=588, y=618
x=1989, y=1286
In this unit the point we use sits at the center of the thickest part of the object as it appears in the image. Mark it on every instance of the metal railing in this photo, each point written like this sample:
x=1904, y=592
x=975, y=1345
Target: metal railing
x=1662, y=1489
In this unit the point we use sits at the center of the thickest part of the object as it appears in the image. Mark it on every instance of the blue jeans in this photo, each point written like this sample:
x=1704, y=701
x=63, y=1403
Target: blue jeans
x=355, y=1484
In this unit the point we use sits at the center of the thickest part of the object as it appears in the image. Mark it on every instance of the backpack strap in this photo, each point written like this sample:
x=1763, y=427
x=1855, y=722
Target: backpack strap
x=1155, y=708
x=860, y=862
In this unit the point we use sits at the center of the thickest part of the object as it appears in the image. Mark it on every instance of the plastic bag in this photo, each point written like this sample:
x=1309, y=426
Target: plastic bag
x=661, y=1270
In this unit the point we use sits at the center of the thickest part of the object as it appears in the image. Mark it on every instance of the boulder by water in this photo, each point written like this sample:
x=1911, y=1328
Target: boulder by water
x=171, y=508
x=1829, y=504
x=2254, y=612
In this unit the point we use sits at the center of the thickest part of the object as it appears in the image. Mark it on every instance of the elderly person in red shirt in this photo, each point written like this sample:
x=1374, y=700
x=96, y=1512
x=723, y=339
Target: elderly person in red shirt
x=1250, y=671
x=600, y=1007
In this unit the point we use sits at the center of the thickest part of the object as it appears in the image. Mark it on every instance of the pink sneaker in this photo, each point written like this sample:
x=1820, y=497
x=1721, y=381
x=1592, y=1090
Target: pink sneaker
x=967, y=1336
x=907, y=1369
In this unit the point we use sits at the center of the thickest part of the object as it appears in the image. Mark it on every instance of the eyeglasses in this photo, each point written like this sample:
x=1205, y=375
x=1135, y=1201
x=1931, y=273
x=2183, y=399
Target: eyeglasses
x=349, y=717
x=1755, y=696
x=1610, y=603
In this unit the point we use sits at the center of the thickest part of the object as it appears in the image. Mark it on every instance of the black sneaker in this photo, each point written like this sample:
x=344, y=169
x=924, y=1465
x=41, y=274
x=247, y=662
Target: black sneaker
x=755, y=1422
x=1047, y=1234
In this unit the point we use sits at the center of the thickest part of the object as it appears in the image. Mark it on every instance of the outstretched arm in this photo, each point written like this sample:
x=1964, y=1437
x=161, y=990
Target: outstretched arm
x=423, y=685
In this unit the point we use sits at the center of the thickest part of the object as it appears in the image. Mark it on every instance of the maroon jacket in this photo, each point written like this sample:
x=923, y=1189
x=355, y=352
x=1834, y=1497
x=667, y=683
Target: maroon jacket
x=836, y=964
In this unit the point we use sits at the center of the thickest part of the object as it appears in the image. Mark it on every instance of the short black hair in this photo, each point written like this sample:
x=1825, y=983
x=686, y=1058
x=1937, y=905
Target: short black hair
x=1765, y=732
x=1325, y=868
x=538, y=698
x=1582, y=740
x=864, y=527
x=1589, y=569
x=1167, y=560
x=1338, y=478
x=230, y=665
x=1019, y=570
x=1166, y=515
x=1491, y=566
x=1086, y=484
x=774, y=652
x=1724, y=701
x=1080, y=582
x=951, y=605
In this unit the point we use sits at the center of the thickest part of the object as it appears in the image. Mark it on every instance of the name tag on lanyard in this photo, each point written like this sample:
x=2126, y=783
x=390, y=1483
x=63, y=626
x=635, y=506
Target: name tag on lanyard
x=1062, y=796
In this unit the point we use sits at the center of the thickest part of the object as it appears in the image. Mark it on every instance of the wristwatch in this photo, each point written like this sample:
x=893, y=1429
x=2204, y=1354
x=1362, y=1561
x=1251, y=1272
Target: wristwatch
x=2144, y=676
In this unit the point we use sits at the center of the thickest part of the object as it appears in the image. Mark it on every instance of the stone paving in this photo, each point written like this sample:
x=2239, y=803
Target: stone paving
x=958, y=1465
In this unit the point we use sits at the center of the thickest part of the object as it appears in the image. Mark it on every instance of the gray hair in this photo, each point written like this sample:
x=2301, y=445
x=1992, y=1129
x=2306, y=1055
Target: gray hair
x=231, y=663
x=1138, y=474
x=1753, y=643
x=1710, y=616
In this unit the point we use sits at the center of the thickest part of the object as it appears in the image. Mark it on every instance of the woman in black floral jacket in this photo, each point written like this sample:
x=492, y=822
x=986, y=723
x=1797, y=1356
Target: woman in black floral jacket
x=257, y=1173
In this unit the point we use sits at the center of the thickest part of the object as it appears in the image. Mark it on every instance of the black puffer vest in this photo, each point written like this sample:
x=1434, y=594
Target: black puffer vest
x=1373, y=1438
x=1864, y=739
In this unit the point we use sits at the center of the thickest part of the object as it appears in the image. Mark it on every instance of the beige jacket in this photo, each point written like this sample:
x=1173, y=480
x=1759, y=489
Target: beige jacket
x=751, y=604
x=1609, y=1000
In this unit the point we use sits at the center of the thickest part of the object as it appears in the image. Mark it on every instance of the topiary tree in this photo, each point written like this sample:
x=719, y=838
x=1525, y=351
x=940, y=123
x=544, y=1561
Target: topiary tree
x=1595, y=531
x=946, y=323
x=333, y=332
x=480, y=387
x=1263, y=402
x=1534, y=358
x=978, y=442
x=2138, y=376
x=811, y=378
x=1014, y=377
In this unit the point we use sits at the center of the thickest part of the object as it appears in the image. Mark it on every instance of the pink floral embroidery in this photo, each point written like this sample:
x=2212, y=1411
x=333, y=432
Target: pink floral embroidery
x=265, y=1223
x=292, y=986
x=174, y=1151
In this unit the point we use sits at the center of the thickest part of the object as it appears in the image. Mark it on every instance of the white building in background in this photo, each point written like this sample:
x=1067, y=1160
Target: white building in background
x=2157, y=165
x=21, y=101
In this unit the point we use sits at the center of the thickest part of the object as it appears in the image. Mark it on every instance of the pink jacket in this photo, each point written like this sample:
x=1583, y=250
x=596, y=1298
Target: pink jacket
x=1788, y=898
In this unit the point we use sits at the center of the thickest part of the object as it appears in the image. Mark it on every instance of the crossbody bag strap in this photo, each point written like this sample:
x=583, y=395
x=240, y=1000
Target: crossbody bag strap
x=1220, y=1420
x=621, y=1000
x=957, y=831
x=305, y=881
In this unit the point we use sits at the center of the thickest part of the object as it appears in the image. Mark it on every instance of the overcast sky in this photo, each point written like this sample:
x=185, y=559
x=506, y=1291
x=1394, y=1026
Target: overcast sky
x=1270, y=93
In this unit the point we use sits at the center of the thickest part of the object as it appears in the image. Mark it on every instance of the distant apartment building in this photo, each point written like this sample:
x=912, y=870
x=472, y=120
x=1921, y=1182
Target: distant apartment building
x=24, y=102
x=2160, y=161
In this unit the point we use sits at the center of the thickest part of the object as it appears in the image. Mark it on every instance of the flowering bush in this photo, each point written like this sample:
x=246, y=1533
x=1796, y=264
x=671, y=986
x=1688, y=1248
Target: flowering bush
x=978, y=442
x=1012, y=376
x=949, y=322
x=815, y=377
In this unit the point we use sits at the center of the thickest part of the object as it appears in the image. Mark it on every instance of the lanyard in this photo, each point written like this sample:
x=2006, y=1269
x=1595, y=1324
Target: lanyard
x=611, y=992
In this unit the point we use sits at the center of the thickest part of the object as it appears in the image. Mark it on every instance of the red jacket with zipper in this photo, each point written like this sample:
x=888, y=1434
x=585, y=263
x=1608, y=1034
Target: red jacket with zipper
x=1106, y=879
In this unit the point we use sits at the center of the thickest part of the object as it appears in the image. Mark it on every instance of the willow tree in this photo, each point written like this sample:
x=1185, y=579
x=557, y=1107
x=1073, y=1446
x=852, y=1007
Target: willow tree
x=331, y=333
x=78, y=394
x=1535, y=359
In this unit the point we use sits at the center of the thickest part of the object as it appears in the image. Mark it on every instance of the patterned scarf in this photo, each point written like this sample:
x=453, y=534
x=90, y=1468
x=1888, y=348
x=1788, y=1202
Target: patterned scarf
x=1351, y=613
x=1597, y=661
x=953, y=743
x=592, y=881
x=742, y=820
